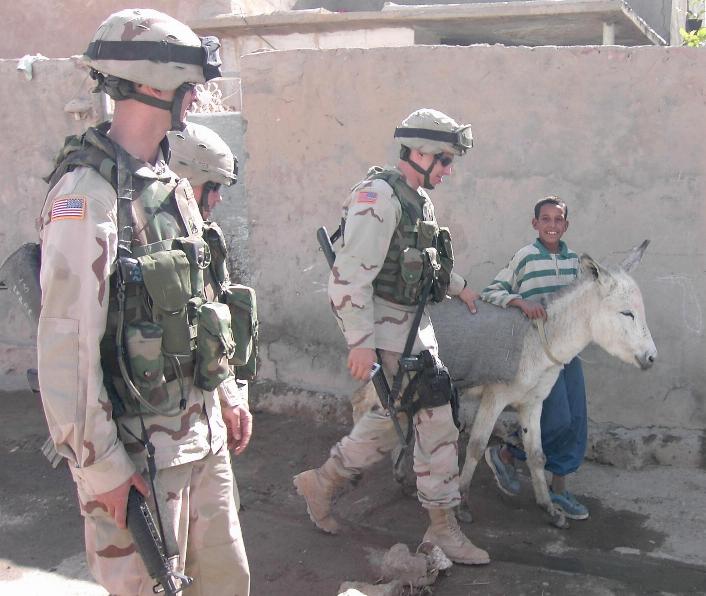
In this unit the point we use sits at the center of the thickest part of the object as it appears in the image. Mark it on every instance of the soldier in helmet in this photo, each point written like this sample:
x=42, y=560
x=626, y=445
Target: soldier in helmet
x=391, y=243
x=203, y=157
x=200, y=155
x=133, y=341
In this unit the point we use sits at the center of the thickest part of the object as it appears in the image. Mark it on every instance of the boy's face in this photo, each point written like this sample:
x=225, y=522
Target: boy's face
x=550, y=226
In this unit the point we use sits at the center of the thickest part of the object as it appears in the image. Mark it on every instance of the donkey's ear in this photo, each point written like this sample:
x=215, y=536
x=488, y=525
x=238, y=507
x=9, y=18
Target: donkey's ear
x=633, y=259
x=594, y=270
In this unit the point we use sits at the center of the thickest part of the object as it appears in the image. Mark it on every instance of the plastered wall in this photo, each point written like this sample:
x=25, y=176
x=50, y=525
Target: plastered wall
x=617, y=132
x=34, y=124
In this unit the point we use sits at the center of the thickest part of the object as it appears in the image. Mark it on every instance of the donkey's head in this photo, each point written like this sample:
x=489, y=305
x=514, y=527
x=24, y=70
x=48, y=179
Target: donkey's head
x=619, y=326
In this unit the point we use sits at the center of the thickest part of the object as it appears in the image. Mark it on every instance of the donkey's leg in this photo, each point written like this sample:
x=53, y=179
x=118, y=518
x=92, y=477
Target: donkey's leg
x=530, y=415
x=492, y=403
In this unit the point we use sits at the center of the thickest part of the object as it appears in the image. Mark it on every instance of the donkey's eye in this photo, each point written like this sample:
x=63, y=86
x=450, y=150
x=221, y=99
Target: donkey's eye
x=627, y=313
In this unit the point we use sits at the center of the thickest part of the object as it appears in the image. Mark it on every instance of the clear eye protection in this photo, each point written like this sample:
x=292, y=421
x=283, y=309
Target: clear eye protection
x=464, y=137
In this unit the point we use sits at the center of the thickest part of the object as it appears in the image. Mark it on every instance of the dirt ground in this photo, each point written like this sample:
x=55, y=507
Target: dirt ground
x=646, y=534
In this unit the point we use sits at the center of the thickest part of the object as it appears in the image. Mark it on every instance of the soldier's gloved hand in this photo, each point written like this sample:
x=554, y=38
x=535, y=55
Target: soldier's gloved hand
x=115, y=501
x=238, y=422
x=469, y=297
x=360, y=363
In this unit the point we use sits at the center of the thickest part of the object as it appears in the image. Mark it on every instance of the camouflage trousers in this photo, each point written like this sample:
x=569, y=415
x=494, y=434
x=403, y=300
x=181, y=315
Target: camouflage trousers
x=435, y=447
x=196, y=500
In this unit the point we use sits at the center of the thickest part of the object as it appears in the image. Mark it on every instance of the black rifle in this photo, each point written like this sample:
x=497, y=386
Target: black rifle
x=382, y=388
x=150, y=547
x=19, y=273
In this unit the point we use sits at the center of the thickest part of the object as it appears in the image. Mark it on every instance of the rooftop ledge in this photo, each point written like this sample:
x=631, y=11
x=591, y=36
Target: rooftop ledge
x=535, y=22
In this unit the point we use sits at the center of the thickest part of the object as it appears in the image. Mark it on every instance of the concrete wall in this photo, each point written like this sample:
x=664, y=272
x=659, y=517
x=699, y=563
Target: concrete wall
x=62, y=30
x=656, y=13
x=617, y=132
x=59, y=29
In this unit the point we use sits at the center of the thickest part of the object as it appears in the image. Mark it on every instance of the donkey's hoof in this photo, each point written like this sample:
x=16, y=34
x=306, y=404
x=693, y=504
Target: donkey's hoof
x=463, y=513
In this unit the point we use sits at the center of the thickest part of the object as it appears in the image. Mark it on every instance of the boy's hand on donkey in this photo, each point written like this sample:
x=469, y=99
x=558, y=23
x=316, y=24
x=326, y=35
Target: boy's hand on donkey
x=532, y=310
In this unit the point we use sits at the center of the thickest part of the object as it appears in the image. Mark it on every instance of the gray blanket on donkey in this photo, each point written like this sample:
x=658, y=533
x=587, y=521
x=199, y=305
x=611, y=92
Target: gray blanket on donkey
x=481, y=348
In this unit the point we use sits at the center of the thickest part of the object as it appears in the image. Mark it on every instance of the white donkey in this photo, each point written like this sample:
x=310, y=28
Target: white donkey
x=602, y=306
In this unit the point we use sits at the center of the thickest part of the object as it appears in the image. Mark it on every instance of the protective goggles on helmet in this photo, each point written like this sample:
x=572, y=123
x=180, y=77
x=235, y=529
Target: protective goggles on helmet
x=462, y=138
x=206, y=56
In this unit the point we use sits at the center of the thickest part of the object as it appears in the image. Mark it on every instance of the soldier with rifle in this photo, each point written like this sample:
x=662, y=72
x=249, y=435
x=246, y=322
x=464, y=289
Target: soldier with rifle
x=393, y=257
x=135, y=345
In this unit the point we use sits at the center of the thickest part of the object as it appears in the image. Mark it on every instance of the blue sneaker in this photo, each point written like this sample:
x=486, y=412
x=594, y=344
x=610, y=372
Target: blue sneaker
x=505, y=474
x=569, y=505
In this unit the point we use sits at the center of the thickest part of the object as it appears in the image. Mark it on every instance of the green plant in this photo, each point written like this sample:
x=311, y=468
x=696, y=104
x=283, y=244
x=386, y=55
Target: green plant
x=693, y=39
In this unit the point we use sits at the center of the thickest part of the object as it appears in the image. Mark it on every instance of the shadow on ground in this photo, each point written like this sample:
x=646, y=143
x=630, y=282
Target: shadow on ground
x=612, y=553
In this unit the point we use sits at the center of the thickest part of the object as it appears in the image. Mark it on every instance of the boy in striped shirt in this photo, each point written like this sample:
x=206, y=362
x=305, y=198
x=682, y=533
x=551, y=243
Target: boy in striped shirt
x=534, y=273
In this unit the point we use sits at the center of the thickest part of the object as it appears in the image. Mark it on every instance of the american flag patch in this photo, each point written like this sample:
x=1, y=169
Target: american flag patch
x=367, y=196
x=68, y=207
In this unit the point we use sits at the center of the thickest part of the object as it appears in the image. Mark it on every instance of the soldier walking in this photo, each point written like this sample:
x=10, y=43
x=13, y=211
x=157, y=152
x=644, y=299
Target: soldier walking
x=391, y=244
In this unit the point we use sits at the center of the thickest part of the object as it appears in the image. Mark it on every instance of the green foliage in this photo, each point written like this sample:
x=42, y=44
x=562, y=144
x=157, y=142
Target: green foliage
x=694, y=39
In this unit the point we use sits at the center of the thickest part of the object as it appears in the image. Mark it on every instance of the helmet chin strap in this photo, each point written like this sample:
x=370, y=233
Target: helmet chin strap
x=181, y=91
x=427, y=183
x=203, y=205
x=173, y=106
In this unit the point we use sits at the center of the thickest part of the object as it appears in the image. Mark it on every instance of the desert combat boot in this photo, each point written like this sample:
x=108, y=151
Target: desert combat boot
x=317, y=487
x=445, y=533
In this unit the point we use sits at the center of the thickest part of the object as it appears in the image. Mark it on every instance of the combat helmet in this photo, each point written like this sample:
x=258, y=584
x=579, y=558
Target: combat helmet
x=201, y=155
x=432, y=132
x=148, y=47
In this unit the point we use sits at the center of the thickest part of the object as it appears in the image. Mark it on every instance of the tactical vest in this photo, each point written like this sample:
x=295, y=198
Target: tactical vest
x=165, y=321
x=419, y=248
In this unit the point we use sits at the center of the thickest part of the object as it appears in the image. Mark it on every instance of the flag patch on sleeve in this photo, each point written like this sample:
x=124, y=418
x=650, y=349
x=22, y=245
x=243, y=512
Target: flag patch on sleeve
x=69, y=207
x=367, y=197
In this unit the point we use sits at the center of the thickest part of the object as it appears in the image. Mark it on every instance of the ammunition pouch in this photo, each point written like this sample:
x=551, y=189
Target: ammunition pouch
x=167, y=281
x=242, y=302
x=198, y=253
x=215, y=346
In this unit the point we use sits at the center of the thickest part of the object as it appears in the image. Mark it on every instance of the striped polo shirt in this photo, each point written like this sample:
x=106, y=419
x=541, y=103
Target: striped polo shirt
x=533, y=273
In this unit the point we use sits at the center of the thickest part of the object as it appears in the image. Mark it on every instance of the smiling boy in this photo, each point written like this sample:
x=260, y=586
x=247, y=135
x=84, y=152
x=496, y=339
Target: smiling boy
x=534, y=273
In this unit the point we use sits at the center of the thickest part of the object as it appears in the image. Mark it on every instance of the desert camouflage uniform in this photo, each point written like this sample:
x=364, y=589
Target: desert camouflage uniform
x=194, y=480
x=372, y=214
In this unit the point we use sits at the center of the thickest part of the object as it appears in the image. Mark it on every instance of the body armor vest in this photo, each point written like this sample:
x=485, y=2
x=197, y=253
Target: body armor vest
x=418, y=248
x=164, y=323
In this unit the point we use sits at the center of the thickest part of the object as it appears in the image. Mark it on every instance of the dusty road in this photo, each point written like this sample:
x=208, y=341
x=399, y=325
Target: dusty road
x=646, y=534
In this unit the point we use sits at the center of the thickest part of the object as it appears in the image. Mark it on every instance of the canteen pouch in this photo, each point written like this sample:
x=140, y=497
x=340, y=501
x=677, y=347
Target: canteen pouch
x=214, y=346
x=167, y=279
x=242, y=302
